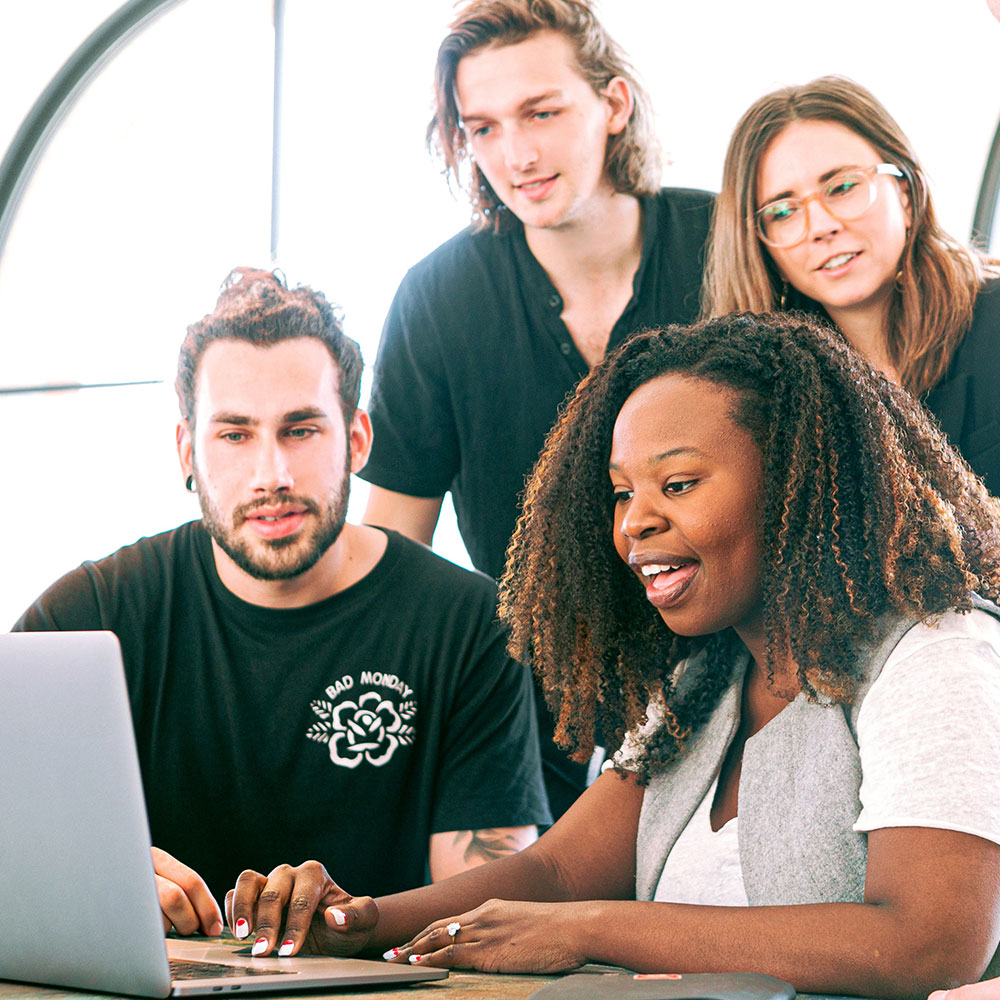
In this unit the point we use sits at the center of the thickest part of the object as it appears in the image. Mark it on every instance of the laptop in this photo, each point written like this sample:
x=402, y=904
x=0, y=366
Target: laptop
x=79, y=896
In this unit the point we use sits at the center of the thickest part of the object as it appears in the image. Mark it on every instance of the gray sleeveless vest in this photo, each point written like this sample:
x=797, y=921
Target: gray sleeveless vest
x=798, y=796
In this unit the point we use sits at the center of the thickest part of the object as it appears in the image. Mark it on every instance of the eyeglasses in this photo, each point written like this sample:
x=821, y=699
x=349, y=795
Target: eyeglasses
x=848, y=195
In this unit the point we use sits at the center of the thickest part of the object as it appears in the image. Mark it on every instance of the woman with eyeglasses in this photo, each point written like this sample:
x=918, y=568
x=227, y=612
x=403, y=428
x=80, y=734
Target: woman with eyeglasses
x=824, y=206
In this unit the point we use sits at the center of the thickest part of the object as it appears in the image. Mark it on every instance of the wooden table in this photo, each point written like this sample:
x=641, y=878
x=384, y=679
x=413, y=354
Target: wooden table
x=458, y=986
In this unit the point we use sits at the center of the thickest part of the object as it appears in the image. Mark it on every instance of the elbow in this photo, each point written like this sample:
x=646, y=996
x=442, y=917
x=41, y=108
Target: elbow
x=919, y=964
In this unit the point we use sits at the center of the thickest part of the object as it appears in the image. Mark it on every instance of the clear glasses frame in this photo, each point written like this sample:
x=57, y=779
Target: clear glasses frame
x=783, y=223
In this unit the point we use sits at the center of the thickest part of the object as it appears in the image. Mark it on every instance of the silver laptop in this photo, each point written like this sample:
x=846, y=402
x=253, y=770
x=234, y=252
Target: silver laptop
x=79, y=905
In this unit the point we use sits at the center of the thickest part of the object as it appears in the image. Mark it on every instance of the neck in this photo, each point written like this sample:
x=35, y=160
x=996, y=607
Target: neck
x=605, y=240
x=867, y=331
x=351, y=557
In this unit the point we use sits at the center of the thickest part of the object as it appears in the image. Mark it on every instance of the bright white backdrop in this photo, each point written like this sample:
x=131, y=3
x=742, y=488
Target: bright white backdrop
x=159, y=182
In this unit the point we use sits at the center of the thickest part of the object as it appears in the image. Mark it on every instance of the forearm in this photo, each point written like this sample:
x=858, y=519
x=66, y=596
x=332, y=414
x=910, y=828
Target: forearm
x=570, y=861
x=840, y=948
x=530, y=875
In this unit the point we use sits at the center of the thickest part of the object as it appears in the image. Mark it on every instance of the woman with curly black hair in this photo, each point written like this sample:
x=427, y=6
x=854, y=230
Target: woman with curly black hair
x=776, y=606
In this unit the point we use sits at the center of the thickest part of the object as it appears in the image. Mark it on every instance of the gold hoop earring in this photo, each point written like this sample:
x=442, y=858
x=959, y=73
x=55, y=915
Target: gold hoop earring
x=783, y=298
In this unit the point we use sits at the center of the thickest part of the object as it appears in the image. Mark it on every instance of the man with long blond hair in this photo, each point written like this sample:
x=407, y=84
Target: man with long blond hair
x=573, y=246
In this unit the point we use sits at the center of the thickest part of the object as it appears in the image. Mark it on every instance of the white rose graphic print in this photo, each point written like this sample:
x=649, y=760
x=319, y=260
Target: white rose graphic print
x=366, y=727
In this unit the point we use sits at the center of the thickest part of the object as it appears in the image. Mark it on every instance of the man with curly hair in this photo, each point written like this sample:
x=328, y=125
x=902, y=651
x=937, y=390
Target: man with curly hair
x=573, y=246
x=301, y=686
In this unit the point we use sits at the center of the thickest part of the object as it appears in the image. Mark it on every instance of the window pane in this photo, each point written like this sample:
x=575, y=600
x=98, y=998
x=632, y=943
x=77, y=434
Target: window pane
x=156, y=183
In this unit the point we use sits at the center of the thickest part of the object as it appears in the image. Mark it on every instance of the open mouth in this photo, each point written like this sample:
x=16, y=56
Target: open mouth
x=276, y=522
x=666, y=583
x=839, y=261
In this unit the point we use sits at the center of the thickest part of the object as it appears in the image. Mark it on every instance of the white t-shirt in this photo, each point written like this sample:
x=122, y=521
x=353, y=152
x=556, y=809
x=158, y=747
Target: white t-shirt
x=929, y=739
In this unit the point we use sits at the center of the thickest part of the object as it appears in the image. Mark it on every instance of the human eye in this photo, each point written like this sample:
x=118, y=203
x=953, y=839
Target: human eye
x=780, y=211
x=842, y=185
x=300, y=433
x=621, y=495
x=543, y=115
x=480, y=131
x=679, y=486
x=233, y=437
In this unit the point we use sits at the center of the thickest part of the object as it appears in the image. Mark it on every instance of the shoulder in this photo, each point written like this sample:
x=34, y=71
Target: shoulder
x=927, y=730
x=85, y=597
x=427, y=572
x=688, y=207
x=686, y=199
x=464, y=256
x=153, y=555
x=935, y=660
x=683, y=219
x=976, y=353
x=986, y=315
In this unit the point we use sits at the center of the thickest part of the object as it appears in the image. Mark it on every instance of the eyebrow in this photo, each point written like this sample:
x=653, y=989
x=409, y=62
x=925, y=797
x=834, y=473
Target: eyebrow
x=823, y=178
x=525, y=105
x=684, y=449
x=291, y=417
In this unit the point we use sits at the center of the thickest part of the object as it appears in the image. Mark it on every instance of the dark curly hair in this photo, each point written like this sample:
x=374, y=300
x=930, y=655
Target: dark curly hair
x=259, y=308
x=867, y=513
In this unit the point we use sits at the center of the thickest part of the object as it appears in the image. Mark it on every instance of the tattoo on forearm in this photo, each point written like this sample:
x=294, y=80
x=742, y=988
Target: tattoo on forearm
x=485, y=845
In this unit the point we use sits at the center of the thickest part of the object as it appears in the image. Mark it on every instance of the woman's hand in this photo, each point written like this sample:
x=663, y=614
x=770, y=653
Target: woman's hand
x=317, y=915
x=499, y=936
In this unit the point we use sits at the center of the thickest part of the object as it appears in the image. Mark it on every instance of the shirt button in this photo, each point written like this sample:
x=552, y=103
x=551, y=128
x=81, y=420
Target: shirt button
x=555, y=301
x=565, y=347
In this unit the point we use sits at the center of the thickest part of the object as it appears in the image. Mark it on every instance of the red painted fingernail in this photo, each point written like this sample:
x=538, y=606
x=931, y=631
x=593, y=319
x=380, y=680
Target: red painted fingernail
x=415, y=958
x=259, y=946
x=242, y=929
x=286, y=948
x=391, y=953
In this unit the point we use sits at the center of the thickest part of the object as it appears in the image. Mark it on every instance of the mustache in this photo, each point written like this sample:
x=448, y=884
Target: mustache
x=246, y=510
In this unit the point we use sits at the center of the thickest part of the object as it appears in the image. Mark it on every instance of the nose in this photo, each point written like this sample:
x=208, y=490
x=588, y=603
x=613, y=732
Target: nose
x=271, y=472
x=819, y=222
x=642, y=518
x=520, y=152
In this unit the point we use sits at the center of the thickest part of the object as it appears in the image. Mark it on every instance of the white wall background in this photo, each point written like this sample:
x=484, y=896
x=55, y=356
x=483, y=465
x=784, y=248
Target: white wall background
x=159, y=182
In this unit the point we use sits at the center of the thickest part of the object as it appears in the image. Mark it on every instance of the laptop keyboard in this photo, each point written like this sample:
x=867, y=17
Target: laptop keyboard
x=217, y=970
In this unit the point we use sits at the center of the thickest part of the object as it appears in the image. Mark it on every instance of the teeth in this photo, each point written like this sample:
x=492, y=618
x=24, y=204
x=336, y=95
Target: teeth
x=655, y=568
x=839, y=261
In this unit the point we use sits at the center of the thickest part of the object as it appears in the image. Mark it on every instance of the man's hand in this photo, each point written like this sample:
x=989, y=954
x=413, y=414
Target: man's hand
x=186, y=903
x=318, y=916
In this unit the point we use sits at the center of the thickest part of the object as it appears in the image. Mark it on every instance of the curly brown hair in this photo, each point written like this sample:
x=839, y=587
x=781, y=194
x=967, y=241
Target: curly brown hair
x=632, y=159
x=258, y=307
x=867, y=513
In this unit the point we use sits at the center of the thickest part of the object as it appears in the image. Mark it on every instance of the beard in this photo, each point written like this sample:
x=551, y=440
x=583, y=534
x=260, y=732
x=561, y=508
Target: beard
x=279, y=558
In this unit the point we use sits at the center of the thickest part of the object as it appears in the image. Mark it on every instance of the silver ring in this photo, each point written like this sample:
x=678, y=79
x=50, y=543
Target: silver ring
x=453, y=928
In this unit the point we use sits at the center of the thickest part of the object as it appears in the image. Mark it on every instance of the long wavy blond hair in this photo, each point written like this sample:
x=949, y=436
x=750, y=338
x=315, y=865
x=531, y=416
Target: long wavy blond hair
x=934, y=296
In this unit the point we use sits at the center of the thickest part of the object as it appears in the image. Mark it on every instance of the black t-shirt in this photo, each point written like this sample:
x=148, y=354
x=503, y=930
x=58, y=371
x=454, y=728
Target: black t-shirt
x=473, y=365
x=346, y=731
x=475, y=360
x=967, y=400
